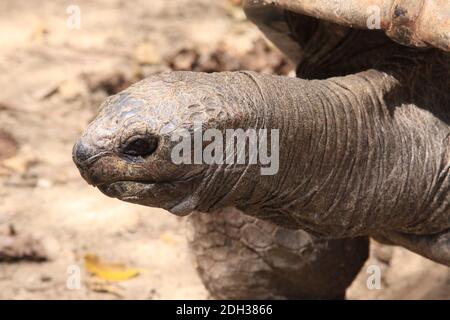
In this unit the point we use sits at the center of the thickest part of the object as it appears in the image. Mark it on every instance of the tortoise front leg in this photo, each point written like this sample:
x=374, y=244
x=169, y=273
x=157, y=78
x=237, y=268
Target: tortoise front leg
x=241, y=257
x=435, y=246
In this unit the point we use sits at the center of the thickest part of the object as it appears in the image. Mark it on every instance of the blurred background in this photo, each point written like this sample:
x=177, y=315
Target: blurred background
x=59, y=237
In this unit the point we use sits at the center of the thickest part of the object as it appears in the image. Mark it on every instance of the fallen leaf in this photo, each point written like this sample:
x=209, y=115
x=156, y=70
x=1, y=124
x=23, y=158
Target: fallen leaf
x=104, y=287
x=18, y=164
x=108, y=271
x=8, y=145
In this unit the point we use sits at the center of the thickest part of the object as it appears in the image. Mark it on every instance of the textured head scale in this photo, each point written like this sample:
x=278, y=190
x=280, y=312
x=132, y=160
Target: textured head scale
x=126, y=150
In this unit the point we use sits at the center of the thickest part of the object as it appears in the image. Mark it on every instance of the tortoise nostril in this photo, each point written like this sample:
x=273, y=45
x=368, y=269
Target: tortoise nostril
x=80, y=153
x=141, y=147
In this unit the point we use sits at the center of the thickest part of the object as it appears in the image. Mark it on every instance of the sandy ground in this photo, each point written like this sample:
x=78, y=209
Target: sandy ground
x=52, y=80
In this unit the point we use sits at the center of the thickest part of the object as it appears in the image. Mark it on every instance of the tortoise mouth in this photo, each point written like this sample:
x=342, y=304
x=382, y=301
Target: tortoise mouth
x=118, y=188
x=128, y=190
x=163, y=195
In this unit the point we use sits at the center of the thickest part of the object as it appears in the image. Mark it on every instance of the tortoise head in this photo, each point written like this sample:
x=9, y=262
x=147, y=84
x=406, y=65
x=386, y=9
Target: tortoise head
x=128, y=150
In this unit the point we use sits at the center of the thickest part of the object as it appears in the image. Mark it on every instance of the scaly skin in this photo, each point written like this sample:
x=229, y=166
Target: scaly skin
x=361, y=154
x=241, y=257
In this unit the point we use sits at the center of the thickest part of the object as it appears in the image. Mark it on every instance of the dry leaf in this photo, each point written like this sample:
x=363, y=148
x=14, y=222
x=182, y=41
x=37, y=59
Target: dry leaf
x=104, y=287
x=108, y=271
x=18, y=164
x=8, y=145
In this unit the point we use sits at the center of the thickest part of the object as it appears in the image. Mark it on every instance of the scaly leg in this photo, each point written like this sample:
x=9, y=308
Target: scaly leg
x=241, y=257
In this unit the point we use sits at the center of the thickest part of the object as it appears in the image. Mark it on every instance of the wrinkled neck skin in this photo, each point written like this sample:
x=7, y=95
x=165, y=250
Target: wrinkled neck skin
x=358, y=154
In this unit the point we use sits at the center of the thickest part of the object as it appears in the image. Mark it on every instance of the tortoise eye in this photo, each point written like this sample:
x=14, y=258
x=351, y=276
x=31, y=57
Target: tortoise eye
x=141, y=147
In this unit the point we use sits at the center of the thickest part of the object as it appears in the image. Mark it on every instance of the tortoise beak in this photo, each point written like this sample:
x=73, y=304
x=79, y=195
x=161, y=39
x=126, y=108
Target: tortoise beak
x=80, y=154
x=84, y=155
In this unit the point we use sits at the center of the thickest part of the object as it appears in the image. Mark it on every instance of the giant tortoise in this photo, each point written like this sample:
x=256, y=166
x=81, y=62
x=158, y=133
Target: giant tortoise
x=363, y=147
